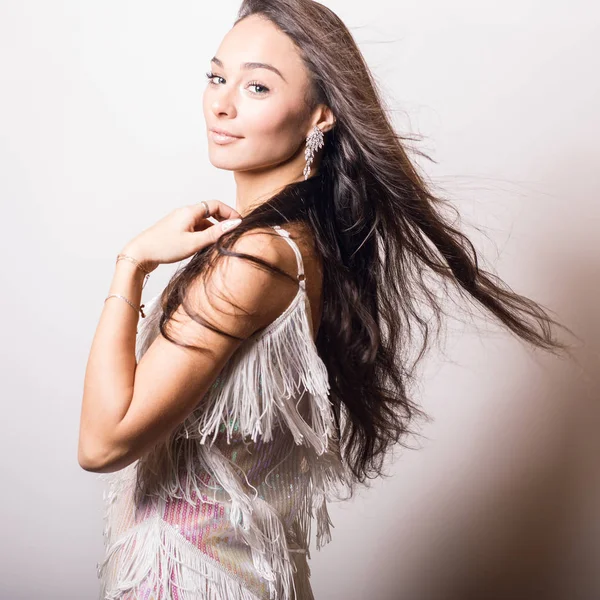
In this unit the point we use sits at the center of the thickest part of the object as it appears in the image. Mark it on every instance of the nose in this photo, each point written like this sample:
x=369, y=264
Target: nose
x=223, y=101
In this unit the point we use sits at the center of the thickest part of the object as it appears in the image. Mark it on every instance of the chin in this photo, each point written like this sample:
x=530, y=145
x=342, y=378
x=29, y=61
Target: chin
x=219, y=164
x=229, y=163
x=221, y=161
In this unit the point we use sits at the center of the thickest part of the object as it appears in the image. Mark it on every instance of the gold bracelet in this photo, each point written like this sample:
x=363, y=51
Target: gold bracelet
x=137, y=264
x=147, y=275
x=136, y=308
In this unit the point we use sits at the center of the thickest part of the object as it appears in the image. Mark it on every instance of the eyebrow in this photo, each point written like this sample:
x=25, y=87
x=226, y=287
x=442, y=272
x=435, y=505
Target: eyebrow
x=247, y=66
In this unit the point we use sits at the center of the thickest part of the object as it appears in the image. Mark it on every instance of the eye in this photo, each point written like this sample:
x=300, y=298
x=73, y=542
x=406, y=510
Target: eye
x=211, y=76
x=259, y=85
x=256, y=84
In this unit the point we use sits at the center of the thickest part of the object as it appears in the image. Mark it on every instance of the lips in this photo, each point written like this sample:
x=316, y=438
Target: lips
x=223, y=132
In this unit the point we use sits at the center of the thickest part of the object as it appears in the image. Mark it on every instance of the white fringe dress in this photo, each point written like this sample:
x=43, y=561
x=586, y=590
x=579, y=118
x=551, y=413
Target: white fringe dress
x=259, y=460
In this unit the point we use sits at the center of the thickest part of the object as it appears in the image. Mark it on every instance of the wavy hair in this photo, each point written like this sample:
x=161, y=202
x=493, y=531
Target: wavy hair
x=381, y=234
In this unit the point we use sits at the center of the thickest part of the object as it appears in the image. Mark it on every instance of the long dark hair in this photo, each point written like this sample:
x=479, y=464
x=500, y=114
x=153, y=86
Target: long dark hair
x=381, y=234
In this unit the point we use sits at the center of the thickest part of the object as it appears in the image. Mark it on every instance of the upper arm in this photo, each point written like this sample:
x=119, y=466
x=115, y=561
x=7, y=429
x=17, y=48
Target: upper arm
x=239, y=298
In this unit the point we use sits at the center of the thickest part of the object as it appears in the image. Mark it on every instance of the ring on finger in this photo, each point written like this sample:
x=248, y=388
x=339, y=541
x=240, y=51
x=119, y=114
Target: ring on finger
x=206, y=208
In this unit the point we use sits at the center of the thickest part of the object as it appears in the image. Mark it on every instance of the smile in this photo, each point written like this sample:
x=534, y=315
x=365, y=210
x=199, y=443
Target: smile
x=220, y=138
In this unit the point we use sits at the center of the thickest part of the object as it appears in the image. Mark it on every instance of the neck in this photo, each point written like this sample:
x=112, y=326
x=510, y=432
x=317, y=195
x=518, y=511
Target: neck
x=254, y=188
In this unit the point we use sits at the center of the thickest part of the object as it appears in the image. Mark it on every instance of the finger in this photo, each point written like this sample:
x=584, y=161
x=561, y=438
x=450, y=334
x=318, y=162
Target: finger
x=216, y=209
x=201, y=239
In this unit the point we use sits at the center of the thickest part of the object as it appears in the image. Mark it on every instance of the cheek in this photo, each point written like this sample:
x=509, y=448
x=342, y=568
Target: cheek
x=271, y=128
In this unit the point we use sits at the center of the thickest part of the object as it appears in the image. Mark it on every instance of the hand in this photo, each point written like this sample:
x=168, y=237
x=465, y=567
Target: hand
x=183, y=232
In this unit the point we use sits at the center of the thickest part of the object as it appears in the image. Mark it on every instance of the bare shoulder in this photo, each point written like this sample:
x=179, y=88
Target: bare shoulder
x=241, y=295
x=266, y=244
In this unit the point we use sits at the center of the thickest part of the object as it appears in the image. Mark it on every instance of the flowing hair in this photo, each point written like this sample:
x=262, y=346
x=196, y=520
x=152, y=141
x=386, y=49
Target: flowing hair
x=381, y=235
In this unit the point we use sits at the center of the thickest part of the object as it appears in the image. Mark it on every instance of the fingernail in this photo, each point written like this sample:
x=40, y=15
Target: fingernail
x=227, y=225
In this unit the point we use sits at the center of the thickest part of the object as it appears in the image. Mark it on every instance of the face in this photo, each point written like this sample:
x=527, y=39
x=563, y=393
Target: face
x=264, y=108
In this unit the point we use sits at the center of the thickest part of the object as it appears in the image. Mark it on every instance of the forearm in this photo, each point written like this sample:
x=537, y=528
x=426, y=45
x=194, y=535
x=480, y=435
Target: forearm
x=110, y=371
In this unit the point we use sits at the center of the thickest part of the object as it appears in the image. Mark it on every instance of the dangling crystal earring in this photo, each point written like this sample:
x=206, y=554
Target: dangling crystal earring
x=314, y=141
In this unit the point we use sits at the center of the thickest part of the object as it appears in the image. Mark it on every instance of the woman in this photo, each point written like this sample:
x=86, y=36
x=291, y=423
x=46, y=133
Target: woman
x=270, y=376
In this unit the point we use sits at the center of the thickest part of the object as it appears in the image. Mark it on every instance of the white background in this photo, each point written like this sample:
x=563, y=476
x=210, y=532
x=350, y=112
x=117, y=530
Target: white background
x=102, y=134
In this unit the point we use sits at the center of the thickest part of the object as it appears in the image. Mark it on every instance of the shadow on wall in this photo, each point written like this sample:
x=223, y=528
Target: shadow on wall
x=529, y=527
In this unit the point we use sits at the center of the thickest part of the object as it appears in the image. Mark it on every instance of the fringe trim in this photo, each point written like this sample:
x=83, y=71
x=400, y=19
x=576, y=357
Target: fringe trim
x=152, y=556
x=260, y=527
x=332, y=481
x=160, y=561
x=263, y=383
x=259, y=388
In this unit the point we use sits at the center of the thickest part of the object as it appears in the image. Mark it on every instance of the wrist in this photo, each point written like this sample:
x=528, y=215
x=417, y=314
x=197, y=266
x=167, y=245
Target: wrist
x=126, y=266
x=143, y=264
x=128, y=283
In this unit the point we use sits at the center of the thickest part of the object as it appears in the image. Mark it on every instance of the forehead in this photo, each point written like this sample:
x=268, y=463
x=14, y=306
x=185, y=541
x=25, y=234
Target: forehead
x=256, y=39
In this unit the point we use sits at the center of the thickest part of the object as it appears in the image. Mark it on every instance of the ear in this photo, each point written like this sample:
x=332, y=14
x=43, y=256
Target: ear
x=325, y=119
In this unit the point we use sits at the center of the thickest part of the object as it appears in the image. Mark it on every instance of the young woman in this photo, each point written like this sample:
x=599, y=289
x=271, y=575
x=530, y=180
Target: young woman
x=270, y=376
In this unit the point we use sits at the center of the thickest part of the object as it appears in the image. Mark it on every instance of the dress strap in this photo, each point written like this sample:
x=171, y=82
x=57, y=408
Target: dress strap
x=284, y=233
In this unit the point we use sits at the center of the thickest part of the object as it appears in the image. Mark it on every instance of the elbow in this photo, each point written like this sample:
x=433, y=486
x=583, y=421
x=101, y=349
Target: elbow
x=89, y=461
x=95, y=458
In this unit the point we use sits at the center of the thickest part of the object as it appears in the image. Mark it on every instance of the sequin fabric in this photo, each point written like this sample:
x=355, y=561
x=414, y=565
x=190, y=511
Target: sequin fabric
x=259, y=461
